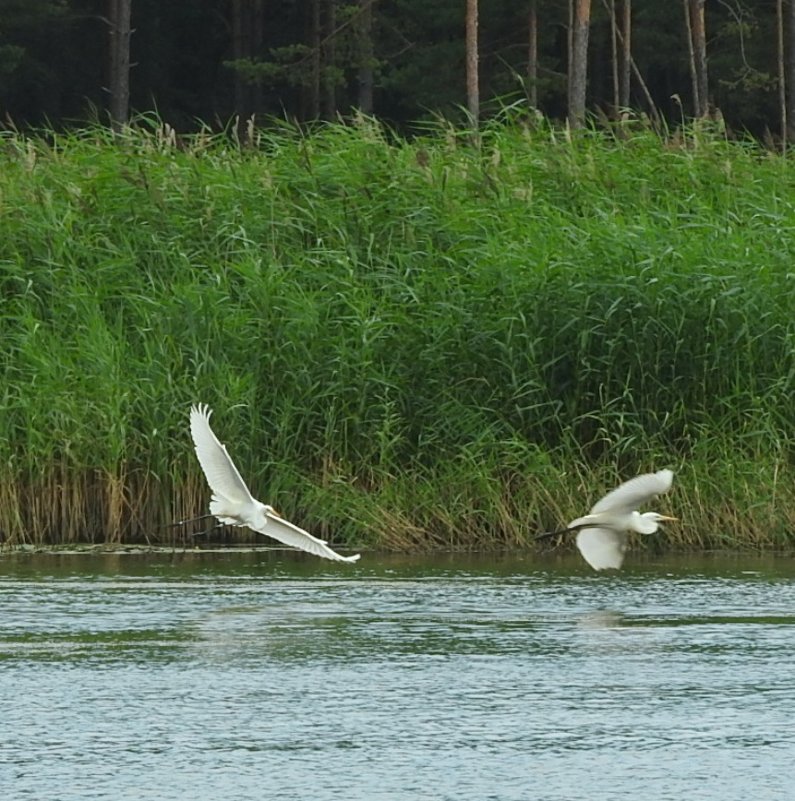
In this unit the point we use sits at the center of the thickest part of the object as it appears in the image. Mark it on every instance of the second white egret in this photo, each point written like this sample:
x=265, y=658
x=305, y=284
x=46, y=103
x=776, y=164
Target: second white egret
x=232, y=502
x=603, y=533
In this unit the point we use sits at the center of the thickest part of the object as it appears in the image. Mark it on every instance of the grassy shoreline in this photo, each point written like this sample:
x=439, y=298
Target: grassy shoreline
x=411, y=345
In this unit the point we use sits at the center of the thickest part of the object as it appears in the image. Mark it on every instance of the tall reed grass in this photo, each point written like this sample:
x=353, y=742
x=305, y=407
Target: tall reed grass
x=408, y=343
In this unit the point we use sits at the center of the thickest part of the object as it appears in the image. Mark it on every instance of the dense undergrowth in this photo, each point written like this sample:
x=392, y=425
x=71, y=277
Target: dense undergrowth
x=408, y=344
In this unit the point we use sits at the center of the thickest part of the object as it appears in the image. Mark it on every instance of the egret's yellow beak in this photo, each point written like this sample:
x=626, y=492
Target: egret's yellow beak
x=671, y=519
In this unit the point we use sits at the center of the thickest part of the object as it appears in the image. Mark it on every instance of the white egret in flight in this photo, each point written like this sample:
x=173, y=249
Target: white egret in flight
x=602, y=534
x=233, y=504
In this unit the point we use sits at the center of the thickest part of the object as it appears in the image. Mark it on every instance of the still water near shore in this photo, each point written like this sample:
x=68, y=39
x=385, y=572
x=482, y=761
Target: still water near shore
x=268, y=675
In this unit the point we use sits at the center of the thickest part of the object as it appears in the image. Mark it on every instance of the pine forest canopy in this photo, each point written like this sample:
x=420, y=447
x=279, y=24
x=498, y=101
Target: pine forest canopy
x=209, y=61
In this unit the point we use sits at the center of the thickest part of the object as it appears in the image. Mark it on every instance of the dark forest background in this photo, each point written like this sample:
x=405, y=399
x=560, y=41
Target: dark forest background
x=208, y=61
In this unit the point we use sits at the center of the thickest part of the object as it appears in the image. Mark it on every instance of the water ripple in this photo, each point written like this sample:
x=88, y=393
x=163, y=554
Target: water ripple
x=249, y=677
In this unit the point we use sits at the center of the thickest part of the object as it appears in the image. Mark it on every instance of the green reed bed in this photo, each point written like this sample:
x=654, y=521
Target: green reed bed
x=408, y=344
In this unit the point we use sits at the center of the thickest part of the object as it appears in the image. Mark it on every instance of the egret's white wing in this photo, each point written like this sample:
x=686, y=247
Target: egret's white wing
x=219, y=470
x=634, y=493
x=290, y=534
x=602, y=548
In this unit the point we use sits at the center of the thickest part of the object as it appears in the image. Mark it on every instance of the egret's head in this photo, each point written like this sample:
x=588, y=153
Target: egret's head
x=652, y=520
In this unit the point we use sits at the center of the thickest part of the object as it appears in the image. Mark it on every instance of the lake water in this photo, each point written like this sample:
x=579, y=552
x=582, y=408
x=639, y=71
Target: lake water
x=263, y=675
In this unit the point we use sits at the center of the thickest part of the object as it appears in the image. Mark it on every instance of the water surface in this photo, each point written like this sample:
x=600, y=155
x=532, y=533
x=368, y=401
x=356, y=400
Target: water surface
x=263, y=675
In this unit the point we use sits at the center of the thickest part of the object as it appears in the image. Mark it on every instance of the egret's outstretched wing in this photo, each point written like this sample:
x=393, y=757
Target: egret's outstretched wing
x=634, y=493
x=290, y=534
x=602, y=548
x=219, y=470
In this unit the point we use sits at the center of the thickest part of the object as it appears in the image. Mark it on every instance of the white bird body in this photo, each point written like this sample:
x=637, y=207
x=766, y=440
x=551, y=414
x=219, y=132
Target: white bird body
x=603, y=533
x=232, y=502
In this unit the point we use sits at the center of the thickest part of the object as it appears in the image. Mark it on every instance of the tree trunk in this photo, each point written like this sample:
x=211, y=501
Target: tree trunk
x=578, y=75
x=532, y=54
x=473, y=85
x=790, y=70
x=782, y=85
x=691, y=59
x=621, y=52
x=329, y=62
x=626, y=55
x=628, y=64
x=614, y=55
x=119, y=14
x=365, y=36
x=698, y=56
x=569, y=48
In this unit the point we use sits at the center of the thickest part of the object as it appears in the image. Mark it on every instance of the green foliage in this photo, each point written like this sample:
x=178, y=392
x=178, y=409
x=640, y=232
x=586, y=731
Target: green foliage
x=416, y=343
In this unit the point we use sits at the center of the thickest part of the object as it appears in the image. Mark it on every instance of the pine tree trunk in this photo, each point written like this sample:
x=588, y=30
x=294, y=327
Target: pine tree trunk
x=532, y=55
x=626, y=55
x=578, y=76
x=614, y=56
x=790, y=70
x=782, y=84
x=473, y=86
x=119, y=14
x=691, y=60
x=698, y=56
